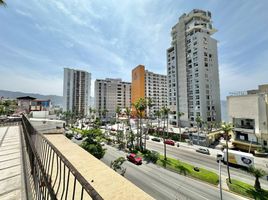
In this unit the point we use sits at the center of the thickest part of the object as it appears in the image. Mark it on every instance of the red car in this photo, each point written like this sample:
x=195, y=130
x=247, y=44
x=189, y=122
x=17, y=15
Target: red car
x=132, y=157
x=170, y=142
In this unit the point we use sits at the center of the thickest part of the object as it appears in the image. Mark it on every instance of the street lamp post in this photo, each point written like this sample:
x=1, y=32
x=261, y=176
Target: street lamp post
x=219, y=159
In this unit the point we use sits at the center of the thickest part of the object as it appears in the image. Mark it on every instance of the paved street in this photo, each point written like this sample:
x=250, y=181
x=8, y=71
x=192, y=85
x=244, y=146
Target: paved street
x=163, y=184
x=201, y=160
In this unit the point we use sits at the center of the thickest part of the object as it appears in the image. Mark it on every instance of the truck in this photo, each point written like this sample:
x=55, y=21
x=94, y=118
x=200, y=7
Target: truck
x=238, y=158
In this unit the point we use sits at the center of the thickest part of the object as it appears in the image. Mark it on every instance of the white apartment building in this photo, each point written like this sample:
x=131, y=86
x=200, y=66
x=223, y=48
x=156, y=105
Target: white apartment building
x=76, y=91
x=192, y=70
x=156, y=90
x=248, y=111
x=110, y=94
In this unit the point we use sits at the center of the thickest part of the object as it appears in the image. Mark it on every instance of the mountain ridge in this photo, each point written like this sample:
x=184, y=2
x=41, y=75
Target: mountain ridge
x=55, y=99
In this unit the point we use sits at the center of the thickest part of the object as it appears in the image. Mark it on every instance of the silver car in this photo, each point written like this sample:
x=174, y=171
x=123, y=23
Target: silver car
x=203, y=150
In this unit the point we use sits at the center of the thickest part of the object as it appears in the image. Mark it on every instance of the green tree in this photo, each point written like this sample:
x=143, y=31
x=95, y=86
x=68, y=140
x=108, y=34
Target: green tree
x=165, y=112
x=227, y=128
x=158, y=116
x=92, y=142
x=258, y=173
x=180, y=114
x=94, y=148
x=199, y=123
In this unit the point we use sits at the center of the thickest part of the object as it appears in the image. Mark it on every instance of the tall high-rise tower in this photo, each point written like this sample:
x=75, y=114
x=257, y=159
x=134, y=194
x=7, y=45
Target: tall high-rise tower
x=76, y=91
x=192, y=70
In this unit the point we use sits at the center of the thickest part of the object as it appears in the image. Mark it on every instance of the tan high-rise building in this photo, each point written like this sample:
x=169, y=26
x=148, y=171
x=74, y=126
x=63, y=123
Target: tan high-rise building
x=76, y=91
x=146, y=84
x=192, y=70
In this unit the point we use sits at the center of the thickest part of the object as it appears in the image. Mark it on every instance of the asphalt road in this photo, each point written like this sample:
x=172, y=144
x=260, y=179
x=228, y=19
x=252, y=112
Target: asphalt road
x=202, y=160
x=163, y=184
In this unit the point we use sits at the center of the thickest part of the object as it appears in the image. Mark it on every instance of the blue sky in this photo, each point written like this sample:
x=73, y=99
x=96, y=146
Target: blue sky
x=108, y=38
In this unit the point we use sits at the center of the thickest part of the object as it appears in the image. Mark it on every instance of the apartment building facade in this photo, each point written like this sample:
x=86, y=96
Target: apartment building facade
x=192, y=70
x=248, y=112
x=110, y=94
x=76, y=91
x=147, y=84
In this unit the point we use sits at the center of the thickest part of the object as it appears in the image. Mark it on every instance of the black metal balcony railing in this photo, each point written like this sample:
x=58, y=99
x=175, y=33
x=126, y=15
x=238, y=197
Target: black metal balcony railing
x=53, y=176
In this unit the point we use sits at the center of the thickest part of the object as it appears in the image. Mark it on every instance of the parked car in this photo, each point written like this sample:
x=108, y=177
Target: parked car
x=170, y=142
x=203, y=150
x=78, y=137
x=132, y=157
x=156, y=139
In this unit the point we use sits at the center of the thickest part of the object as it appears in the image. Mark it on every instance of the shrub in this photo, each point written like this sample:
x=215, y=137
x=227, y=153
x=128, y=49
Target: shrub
x=69, y=135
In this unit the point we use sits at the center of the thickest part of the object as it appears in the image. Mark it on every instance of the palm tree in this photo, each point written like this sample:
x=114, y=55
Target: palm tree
x=118, y=112
x=180, y=114
x=140, y=107
x=68, y=115
x=165, y=112
x=149, y=105
x=158, y=115
x=131, y=137
x=258, y=173
x=227, y=127
x=2, y=3
x=199, y=122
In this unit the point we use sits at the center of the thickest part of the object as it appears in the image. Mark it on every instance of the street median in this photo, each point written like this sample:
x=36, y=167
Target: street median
x=188, y=170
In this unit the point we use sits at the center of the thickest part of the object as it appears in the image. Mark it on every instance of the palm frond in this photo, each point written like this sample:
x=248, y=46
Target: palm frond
x=2, y=3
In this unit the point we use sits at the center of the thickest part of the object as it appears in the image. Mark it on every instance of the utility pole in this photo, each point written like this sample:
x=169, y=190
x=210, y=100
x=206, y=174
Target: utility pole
x=219, y=159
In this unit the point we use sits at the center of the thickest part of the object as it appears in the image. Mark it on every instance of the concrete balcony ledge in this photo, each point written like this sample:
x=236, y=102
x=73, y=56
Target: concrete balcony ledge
x=108, y=183
x=245, y=130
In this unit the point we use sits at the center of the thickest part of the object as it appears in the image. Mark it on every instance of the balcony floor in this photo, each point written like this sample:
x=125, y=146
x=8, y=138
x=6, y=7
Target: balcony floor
x=10, y=163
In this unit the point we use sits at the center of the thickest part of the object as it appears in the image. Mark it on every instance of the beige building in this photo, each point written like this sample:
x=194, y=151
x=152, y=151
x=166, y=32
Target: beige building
x=76, y=91
x=192, y=70
x=248, y=111
x=109, y=94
